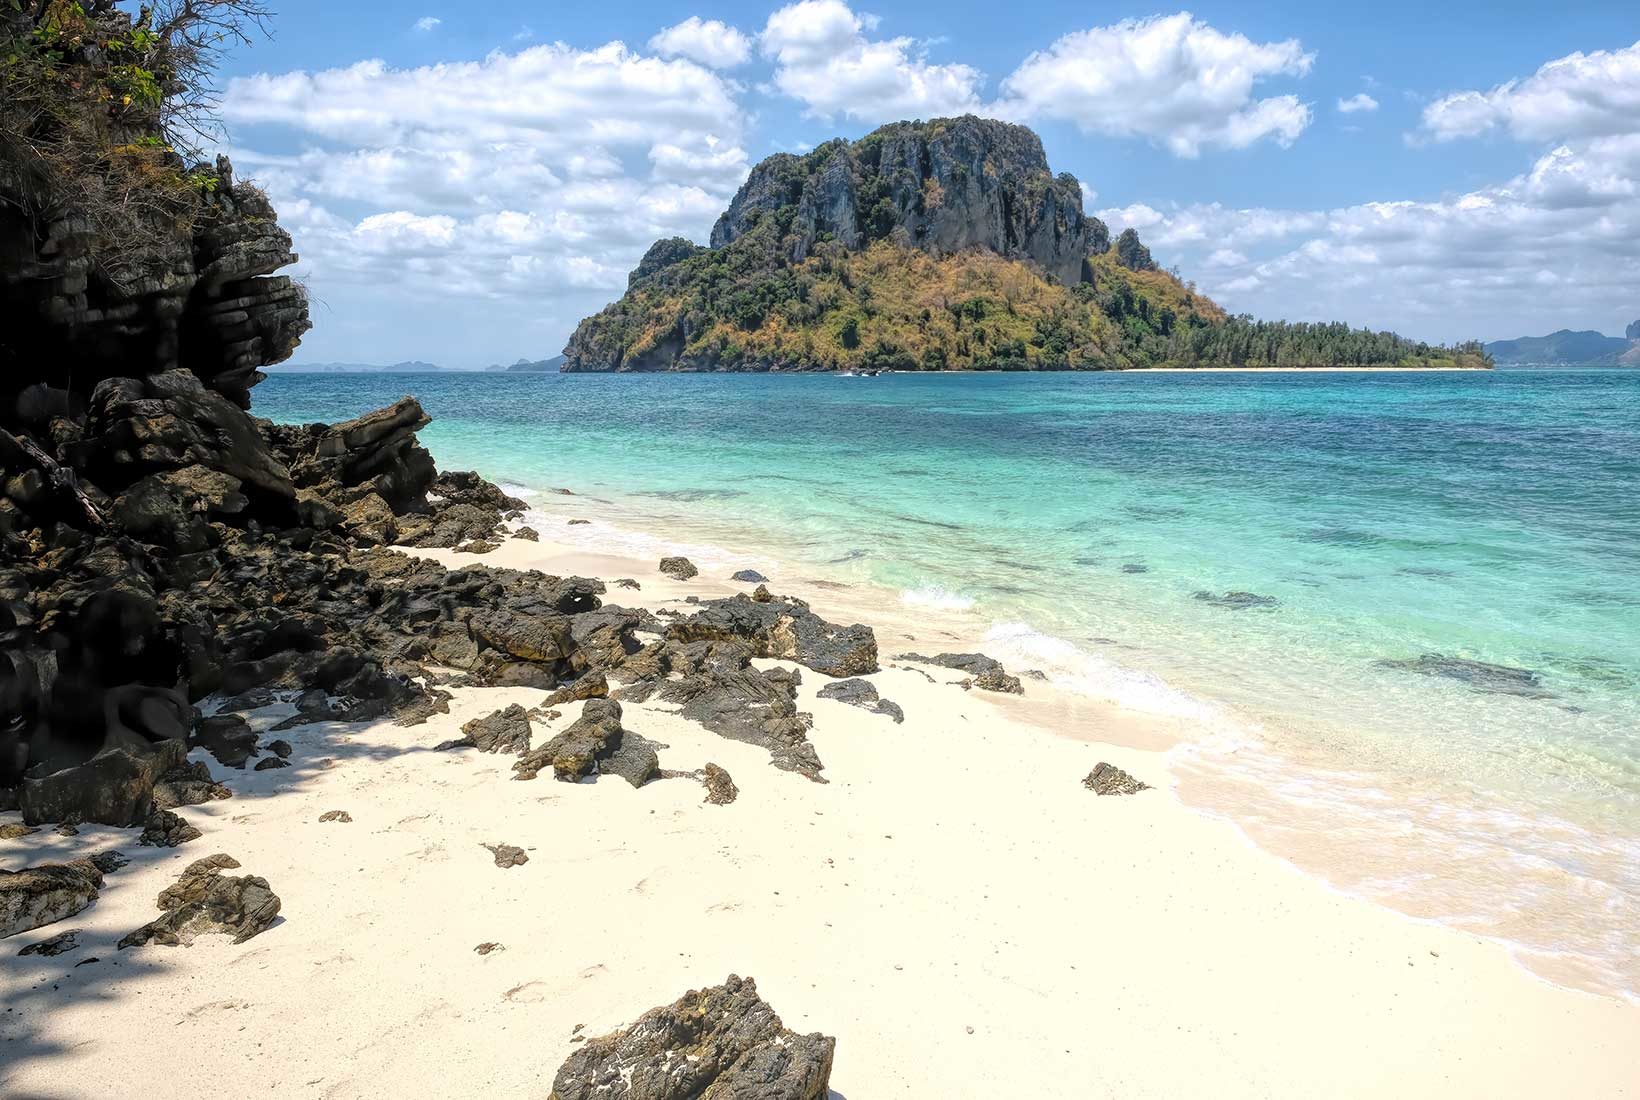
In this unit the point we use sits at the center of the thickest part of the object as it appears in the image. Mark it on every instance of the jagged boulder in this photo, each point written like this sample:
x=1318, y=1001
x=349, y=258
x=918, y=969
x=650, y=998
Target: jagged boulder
x=1108, y=779
x=716, y=684
x=596, y=743
x=188, y=784
x=506, y=730
x=863, y=694
x=41, y=895
x=949, y=184
x=114, y=787
x=204, y=900
x=782, y=628
x=985, y=672
x=720, y=1042
x=170, y=422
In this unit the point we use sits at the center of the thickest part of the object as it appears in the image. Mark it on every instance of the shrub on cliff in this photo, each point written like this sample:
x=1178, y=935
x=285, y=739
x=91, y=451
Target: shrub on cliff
x=97, y=111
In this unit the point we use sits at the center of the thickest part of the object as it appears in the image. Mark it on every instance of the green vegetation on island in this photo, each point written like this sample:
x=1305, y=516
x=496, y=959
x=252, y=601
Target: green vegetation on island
x=945, y=245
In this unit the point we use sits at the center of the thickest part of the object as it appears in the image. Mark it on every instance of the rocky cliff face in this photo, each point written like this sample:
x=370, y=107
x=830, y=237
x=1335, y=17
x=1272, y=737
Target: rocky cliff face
x=940, y=186
x=923, y=246
x=205, y=299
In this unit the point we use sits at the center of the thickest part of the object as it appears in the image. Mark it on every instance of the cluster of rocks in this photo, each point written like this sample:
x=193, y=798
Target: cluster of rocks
x=725, y=1041
x=204, y=900
x=985, y=673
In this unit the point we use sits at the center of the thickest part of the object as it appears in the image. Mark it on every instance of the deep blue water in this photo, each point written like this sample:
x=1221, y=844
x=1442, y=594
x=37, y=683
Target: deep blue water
x=1424, y=577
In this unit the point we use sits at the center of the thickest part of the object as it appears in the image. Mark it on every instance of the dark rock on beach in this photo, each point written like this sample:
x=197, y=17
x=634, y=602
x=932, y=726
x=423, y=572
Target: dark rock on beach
x=115, y=787
x=783, y=628
x=590, y=685
x=204, y=900
x=679, y=568
x=188, y=784
x=714, y=683
x=506, y=730
x=37, y=896
x=594, y=744
x=986, y=673
x=749, y=576
x=720, y=787
x=508, y=855
x=228, y=737
x=1107, y=779
x=165, y=829
x=720, y=1042
x=862, y=693
x=60, y=944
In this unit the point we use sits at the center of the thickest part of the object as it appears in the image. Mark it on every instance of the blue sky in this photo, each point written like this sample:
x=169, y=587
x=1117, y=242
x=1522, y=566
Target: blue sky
x=465, y=182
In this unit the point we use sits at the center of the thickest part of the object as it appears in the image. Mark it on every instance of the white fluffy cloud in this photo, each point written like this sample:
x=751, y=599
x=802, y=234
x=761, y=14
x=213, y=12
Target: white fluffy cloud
x=513, y=193
x=1581, y=95
x=1486, y=255
x=823, y=58
x=427, y=23
x=1356, y=103
x=710, y=42
x=1172, y=79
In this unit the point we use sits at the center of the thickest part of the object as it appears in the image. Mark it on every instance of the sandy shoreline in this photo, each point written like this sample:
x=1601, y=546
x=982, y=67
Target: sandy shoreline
x=952, y=905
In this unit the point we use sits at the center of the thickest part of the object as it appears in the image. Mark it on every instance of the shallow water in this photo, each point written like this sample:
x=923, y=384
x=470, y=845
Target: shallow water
x=1402, y=607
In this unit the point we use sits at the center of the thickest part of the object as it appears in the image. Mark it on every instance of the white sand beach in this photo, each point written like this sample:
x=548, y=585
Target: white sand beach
x=952, y=905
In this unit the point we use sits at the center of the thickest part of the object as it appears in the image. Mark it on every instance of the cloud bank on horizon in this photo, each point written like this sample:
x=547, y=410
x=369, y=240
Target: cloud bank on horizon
x=514, y=192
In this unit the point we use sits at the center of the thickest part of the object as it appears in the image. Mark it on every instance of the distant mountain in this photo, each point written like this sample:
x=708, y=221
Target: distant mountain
x=408, y=366
x=1567, y=348
x=531, y=366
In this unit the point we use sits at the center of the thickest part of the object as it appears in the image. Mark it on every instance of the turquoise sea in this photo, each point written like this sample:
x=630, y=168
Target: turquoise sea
x=1402, y=610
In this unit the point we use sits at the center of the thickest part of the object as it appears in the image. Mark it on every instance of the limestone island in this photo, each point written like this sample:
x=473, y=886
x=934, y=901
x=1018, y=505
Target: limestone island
x=940, y=245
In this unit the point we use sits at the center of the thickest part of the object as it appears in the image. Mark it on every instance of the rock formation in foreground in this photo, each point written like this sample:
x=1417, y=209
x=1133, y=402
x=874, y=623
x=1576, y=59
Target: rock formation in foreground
x=720, y=1042
x=939, y=245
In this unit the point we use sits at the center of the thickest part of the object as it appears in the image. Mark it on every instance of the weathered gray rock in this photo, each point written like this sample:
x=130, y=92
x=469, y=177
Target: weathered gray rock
x=203, y=900
x=115, y=787
x=782, y=628
x=188, y=784
x=720, y=786
x=862, y=693
x=679, y=568
x=633, y=757
x=60, y=944
x=593, y=744
x=724, y=1042
x=986, y=673
x=506, y=730
x=715, y=684
x=1109, y=779
x=748, y=576
x=165, y=829
x=340, y=816
x=37, y=896
x=228, y=737
x=591, y=685
x=508, y=855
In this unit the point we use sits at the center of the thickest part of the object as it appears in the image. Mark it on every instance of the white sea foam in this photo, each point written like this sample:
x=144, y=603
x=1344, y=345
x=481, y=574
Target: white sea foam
x=936, y=598
x=1073, y=668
